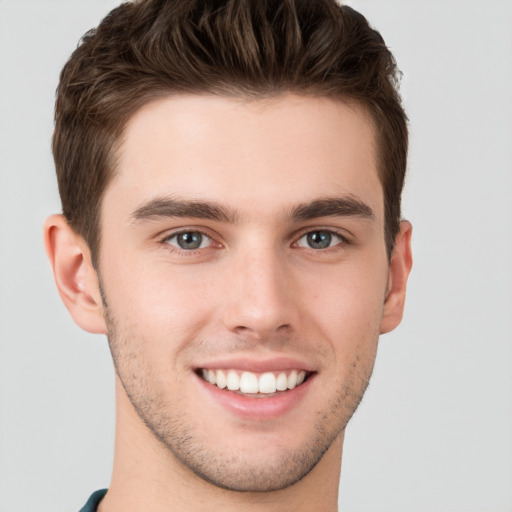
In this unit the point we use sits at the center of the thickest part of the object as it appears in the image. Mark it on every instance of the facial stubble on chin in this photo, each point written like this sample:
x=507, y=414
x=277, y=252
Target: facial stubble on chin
x=183, y=441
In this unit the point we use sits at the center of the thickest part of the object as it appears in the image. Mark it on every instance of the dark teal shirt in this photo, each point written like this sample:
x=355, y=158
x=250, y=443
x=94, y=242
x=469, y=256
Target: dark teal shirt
x=94, y=501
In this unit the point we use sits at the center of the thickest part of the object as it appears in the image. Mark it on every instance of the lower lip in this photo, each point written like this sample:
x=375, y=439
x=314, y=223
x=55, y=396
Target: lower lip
x=257, y=409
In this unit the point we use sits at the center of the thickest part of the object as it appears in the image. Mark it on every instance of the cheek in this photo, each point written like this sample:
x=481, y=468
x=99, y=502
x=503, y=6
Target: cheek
x=160, y=302
x=348, y=306
x=345, y=299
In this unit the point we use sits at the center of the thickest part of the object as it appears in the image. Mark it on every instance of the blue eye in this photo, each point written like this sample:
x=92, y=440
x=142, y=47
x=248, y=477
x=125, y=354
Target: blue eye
x=321, y=239
x=189, y=240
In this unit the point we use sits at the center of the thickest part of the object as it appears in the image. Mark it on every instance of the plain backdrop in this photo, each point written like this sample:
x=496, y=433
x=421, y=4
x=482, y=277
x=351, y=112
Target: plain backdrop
x=434, y=432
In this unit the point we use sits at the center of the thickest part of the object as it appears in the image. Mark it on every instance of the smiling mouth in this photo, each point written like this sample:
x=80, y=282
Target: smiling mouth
x=254, y=384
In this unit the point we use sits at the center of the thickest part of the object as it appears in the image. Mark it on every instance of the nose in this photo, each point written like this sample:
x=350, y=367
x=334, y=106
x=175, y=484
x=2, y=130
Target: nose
x=260, y=302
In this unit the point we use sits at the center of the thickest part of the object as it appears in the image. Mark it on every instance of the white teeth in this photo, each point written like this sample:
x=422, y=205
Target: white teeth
x=282, y=382
x=222, y=381
x=267, y=383
x=233, y=381
x=292, y=379
x=249, y=382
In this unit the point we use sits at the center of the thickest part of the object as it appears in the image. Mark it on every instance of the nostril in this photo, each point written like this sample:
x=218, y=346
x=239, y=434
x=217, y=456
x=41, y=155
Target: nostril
x=262, y=333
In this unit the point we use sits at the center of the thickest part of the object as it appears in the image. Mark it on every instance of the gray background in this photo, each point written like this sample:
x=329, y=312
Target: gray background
x=434, y=432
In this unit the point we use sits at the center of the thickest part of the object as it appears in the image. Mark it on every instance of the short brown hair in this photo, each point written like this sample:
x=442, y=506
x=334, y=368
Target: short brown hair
x=147, y=49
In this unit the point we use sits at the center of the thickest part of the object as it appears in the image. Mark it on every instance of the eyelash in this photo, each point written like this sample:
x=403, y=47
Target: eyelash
x=176, y=234
x=344, y=241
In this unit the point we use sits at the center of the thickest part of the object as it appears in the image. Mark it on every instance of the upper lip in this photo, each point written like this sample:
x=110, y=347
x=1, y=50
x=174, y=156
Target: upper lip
x=258, y=365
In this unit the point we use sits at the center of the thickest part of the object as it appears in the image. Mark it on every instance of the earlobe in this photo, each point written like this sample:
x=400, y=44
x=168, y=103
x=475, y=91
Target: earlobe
x=75, y=276
x=399, y=270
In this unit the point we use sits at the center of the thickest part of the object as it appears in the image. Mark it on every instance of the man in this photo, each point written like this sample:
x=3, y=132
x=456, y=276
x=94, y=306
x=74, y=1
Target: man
x=230, y=175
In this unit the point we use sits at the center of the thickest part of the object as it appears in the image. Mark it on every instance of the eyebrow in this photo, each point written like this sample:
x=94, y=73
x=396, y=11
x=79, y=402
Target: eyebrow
x=165, y=207
x=347, y=206
x=162, y=207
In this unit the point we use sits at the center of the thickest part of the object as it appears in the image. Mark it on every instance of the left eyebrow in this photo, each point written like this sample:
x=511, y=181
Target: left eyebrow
x=347, y=206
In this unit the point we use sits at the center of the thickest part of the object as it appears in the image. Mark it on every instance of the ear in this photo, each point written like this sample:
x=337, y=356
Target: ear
x=399, y=269
x=75, y=276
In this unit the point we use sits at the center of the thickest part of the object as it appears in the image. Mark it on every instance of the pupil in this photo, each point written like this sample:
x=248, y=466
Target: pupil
x=190, y=240
x=319, y=239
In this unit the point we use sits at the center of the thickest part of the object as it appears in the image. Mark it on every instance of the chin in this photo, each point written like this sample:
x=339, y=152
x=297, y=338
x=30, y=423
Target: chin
x=242, y=473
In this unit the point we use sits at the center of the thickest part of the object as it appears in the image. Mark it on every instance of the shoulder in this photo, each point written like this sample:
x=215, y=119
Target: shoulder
x=93, y=501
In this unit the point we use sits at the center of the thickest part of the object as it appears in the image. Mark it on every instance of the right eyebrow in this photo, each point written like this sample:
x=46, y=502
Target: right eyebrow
x=165, y=207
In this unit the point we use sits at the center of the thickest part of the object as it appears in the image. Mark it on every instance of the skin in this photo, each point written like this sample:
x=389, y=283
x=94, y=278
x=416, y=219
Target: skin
x=255, y=290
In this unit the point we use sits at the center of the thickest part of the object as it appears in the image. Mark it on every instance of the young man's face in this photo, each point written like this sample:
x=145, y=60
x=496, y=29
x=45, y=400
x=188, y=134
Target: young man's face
x=245, y=241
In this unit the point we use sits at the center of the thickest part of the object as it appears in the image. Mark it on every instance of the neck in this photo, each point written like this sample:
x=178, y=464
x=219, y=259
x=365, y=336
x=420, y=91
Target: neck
x=147, y=476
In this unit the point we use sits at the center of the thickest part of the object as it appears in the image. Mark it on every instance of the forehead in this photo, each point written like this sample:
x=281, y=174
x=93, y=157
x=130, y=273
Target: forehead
x=255, y=155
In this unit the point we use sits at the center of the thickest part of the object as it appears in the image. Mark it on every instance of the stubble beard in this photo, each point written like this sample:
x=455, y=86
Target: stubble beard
x=234, y=471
